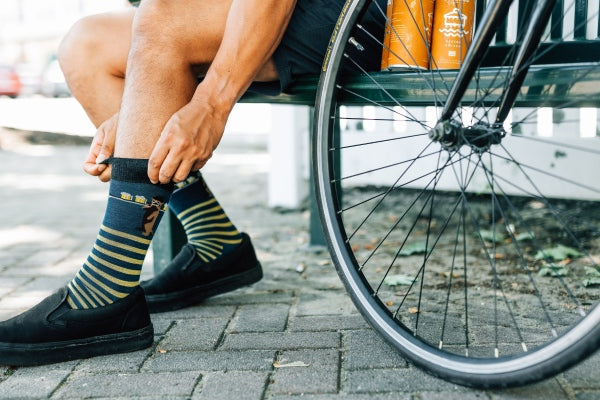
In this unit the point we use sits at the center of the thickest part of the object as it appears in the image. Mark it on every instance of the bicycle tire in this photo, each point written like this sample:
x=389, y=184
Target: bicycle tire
x=453, y=339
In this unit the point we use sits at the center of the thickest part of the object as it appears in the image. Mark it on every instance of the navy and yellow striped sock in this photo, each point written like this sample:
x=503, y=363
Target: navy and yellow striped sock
x=208, y=228
x=134, y=209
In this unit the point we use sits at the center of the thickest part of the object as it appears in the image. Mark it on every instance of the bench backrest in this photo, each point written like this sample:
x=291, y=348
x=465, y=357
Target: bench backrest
x=572, y=33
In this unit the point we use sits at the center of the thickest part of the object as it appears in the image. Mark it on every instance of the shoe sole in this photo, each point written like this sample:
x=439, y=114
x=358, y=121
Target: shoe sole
x=172, y=301
x=30, y=354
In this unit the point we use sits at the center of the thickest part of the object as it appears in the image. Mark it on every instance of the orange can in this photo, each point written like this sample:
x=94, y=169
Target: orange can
x=410, y=36
x=452, y=32
x=387, y=34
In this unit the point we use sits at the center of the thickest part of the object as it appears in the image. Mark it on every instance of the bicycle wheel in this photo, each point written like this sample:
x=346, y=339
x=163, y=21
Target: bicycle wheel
x=477, y=258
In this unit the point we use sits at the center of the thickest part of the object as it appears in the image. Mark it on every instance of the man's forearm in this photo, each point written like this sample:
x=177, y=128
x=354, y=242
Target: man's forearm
x=253, y=30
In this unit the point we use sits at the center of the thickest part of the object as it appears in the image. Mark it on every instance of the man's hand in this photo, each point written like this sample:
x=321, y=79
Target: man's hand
x=188, y=140
x=102, y=148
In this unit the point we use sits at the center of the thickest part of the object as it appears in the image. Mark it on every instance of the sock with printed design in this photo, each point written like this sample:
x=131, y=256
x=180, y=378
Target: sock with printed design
x=133, y=212
x=206, y=225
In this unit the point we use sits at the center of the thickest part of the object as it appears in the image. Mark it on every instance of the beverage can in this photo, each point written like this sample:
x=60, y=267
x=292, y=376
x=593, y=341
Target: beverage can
x=452, y=32
x=387, y=33
x=410, y=35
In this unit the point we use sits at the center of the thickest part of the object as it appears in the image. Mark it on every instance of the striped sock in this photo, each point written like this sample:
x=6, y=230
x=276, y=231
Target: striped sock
x=207, y=226
x=134, y=209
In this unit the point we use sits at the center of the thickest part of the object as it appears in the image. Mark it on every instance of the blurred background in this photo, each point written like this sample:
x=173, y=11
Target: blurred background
x=30, y=31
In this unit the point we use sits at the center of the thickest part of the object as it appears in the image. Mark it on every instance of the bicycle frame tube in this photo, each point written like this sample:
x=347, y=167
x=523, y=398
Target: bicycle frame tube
x=533, y=36
x=490, y=22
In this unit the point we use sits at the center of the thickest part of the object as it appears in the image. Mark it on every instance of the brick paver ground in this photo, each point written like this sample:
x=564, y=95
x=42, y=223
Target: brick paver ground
x=236, y=346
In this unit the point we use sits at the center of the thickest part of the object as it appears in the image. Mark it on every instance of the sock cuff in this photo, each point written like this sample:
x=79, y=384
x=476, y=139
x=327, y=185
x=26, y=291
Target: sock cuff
x=133, y=170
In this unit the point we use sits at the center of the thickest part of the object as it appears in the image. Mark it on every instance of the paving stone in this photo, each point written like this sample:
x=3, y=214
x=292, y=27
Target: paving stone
x=327, y=323
x=194, y=334
x=36, y=383
x=260, y=318
x=23, y=301
x=454, y=395
x=126, y=362
x=365, y=349
x=238, y=385
x=11, y=284
x=42, y=263
x=251, y=296
x=324, y=303
x=345, y=396
x=588, y=395
x=43, y=284
x=585, y=375
x=281, y=341
x=124, y=385
x=546, y=390
x=320, y=375
x=161, y=326
x=258, y=360
x=200, y=311
x=393, y=380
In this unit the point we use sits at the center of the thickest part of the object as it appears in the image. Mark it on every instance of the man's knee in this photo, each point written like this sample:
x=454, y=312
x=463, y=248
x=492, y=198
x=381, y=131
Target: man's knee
x=78, y=44
x=96, y=42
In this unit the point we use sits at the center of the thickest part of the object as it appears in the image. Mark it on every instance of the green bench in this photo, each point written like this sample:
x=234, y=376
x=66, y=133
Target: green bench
x=409, y=89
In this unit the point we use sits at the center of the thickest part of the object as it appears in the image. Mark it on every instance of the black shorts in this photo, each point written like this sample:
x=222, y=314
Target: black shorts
x=305, y=41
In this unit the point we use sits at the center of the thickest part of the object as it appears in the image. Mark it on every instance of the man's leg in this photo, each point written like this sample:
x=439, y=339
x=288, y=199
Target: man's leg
x=218, y=258
x=167, y=40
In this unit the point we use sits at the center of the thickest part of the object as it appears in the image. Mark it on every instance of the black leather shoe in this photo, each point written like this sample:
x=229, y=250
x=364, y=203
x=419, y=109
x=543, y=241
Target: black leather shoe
x=188, y=280
x=52, y=332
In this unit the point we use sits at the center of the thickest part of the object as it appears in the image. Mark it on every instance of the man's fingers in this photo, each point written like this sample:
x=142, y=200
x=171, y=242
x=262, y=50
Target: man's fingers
x=89, y=164
x=156, y=161
x=109, y=132
x=105, y=175
x=183, y=171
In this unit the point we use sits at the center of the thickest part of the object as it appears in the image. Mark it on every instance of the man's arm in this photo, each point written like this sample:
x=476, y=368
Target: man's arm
x=253, y=30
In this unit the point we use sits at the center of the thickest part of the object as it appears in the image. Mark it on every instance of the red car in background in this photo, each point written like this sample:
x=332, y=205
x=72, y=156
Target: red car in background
x=10, y=84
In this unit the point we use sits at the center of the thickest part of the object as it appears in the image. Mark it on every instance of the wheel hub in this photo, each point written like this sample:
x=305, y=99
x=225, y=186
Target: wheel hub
x=452, y=135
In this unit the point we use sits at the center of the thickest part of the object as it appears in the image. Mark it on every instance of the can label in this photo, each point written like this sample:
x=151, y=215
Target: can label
x=452, y=32
x=410, y=36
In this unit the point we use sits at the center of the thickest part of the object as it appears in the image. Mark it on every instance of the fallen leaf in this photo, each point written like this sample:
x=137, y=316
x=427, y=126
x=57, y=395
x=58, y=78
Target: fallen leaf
x=491, y=236
x=554, y=270
x=399, y=280
x=413, y=248
x=161, y=351
x=389, y=303
x=524, y=236
x=413, y=310
x=558, y=253
x=591, y=282
x=593, y=277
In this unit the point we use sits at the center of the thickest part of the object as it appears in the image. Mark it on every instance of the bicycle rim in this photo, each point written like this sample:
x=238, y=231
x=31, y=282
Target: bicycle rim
x=477, y=260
